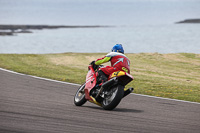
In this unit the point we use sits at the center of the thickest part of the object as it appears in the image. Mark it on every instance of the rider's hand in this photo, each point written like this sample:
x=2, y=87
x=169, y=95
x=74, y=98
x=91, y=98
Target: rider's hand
x=92, y=63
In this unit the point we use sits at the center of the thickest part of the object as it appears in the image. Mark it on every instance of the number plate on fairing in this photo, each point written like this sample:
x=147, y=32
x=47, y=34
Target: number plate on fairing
x=118, y=73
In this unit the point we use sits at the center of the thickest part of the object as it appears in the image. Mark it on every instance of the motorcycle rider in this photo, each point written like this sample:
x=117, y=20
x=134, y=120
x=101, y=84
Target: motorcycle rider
x=119, y=62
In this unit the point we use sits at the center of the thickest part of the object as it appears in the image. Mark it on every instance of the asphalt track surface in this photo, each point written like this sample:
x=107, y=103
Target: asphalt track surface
x=30, y=105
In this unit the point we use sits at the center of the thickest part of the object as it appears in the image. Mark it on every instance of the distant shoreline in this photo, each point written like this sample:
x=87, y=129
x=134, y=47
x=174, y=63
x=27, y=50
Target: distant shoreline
x=13, y=29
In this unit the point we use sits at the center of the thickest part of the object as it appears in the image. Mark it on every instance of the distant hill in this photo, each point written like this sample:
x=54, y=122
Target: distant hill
x=189, y=21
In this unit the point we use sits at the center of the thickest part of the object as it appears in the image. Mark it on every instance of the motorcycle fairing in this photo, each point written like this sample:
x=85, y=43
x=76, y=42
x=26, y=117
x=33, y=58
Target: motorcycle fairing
x=90, y=82
x=94, y=101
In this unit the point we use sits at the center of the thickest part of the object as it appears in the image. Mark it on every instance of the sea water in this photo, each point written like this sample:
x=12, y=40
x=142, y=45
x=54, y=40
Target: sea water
x=173, y=38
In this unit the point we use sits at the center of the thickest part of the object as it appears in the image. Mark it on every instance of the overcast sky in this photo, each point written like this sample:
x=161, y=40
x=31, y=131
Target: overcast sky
x=101, y=12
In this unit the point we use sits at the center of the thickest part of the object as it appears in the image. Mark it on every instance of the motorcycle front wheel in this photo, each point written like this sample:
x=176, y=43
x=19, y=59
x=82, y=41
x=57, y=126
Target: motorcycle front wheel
x=79, y=98
x=112, y=97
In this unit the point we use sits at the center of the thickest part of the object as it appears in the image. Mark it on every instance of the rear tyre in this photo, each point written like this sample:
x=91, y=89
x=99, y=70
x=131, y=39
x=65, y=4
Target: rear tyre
x=113, y=97
x=79, y=98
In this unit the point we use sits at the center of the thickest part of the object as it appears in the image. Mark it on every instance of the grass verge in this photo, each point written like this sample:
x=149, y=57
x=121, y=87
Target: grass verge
x=174, y=76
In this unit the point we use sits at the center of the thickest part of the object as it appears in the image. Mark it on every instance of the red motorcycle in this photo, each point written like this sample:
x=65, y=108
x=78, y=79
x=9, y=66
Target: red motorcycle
x=108, y=94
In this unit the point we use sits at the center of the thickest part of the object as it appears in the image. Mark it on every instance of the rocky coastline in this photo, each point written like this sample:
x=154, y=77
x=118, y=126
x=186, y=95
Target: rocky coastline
x=6, y=30
x=191, y=21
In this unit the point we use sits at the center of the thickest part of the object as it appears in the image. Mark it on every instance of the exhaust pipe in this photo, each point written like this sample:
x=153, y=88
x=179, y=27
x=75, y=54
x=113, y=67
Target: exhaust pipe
x=110, y=82
x=128, y=91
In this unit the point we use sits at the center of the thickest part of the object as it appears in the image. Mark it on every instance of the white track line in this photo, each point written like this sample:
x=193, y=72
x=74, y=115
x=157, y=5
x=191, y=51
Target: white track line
x=79, y=85
x=165, y=98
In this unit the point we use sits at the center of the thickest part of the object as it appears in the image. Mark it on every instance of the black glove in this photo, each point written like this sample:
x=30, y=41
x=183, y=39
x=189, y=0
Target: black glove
x=93, y=65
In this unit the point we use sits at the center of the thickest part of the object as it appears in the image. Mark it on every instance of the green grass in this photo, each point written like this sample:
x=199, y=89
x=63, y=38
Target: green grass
x=174, y=76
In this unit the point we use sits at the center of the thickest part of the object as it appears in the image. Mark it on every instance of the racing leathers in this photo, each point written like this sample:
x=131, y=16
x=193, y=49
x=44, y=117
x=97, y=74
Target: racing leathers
x=119, y=62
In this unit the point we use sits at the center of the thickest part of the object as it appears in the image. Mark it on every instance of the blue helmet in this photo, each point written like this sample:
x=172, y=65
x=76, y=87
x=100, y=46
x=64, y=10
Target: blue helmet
x=118, y=48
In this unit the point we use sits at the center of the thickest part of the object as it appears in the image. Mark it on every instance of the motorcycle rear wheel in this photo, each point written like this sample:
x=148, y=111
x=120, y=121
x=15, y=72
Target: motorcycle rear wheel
x=113, y=97
x=79, y=98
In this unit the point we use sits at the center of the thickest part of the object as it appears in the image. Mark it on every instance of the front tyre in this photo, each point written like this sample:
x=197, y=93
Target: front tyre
x=79, y=98
x=113, y=97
